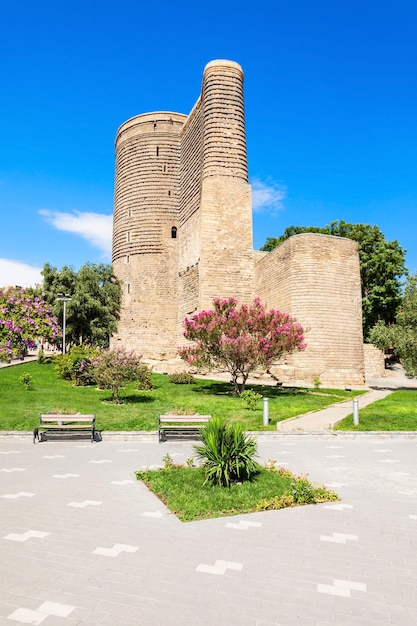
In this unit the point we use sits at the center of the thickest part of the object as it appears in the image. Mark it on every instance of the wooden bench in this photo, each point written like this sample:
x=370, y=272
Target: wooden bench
x=62, y=423
x=180, y=424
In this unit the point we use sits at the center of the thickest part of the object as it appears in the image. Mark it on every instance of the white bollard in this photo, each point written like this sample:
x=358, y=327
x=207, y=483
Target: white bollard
x=355, y=411
x=266, y=412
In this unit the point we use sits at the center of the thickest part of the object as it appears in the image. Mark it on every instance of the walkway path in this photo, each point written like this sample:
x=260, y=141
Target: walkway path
x=330, y=416
x=82, y=543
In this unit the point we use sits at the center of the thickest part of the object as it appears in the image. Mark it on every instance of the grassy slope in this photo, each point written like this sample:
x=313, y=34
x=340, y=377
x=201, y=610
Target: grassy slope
x=20, y=409
x=398, y=411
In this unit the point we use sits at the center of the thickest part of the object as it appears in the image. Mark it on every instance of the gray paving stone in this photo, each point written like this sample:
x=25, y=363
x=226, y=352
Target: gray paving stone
x=283, y=561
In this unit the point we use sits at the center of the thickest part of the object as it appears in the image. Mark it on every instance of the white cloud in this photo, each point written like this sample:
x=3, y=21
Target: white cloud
x=96, y=228
x=267, y=197
x=14, y=273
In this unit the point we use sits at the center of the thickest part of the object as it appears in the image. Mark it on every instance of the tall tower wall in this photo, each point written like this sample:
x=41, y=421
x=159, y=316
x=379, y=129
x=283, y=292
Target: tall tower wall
x=146, y=209
x=227, y=267
x=316, y=278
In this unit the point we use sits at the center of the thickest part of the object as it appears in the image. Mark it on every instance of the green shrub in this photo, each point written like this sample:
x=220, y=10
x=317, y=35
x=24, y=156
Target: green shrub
x=181, y=378
x=144, y=377
x=227, y=453
x=26, y=380
x=251, y=399
x=76, y=365
x=41, y=356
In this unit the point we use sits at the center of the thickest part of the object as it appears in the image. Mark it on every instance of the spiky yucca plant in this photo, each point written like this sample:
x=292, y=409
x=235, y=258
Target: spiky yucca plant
x=227, y=453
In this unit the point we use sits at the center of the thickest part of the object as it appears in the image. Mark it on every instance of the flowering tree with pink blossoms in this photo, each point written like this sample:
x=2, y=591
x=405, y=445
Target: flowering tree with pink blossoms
x=113, y=369
x=240, y=339
x=24, y=319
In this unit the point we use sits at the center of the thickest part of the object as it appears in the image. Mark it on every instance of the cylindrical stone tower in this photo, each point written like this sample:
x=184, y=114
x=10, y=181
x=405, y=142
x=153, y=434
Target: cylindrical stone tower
x=226, y=267
x=146, y=208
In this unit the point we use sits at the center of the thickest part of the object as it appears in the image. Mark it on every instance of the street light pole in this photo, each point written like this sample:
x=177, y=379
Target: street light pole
x=64, y=298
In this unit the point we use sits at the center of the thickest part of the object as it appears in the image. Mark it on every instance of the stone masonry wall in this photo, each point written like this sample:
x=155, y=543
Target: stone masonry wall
x=316, y=279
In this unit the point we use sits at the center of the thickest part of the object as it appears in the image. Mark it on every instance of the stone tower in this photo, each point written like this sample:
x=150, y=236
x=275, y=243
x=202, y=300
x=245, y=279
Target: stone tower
x=182, y=236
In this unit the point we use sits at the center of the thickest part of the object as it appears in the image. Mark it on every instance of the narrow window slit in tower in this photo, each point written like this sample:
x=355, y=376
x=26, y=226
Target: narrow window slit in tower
x=128, y=287
x=127, y=259
x=174, y=232
x=169, y=192
x=165, y=168
x=157, y=150
x=154, y=125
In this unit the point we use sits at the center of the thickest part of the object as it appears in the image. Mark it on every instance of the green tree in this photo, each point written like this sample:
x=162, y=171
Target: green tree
x=93, y=310
x=382, y=267
x=240, y=339
x=113, y=369
x=402, y=335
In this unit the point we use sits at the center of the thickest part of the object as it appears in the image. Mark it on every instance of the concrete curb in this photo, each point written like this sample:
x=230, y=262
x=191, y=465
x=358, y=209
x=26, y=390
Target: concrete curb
x=152, y=436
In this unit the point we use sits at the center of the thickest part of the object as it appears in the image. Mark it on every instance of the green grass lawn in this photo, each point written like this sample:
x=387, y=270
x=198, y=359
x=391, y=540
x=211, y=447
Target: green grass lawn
x=398, y=411
x=20, y=408
x=183, y=491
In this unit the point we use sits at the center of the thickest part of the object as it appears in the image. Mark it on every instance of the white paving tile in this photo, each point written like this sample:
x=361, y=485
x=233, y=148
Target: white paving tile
x=219, y=568
x=339, y=468
x=336, y=485
x=10, y=452
x=155, y=514
x=338, y=507
x=121, y=482
x=332, y=590
x=54, y=456
x=412, y=516
x=46, y=609
x=243, y=525
x=21, y=494
x=349, y=584
x=382, y=450
x=65, y=476
x=26, y=616
x=333, y=447
x=57, y=609
x=84, y=503
x=389, y=461
x=29, y=534
x=117, y=549
x=341, y=588
x=13, y=469
x=338, y=538
x=128, y=450
x=335, y=456
x=102, y=461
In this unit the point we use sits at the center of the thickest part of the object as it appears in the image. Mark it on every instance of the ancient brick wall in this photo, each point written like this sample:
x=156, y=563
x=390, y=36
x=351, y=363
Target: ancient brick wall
x=316, y=279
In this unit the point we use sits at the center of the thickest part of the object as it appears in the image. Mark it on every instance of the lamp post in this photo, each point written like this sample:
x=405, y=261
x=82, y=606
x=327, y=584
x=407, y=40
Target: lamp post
x=64, y=298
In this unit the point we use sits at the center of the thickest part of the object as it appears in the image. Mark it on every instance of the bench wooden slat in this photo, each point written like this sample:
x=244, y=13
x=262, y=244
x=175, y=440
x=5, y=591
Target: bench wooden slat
x=185, y=424
x=64, y=422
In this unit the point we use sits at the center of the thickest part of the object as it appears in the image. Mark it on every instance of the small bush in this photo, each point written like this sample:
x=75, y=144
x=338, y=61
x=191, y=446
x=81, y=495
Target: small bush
x=144, y=374
x=251, y=399
x=181, y=378
x=76, y=365
x=227, y=453
x=41, y=356
x=26, y=380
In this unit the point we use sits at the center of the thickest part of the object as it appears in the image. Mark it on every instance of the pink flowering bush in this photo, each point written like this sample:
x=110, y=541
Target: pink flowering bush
x=240, y=339
x=113, y=369
x=24, y=319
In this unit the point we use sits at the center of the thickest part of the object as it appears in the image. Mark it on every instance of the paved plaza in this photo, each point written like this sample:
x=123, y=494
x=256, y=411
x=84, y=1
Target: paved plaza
x=82, y=542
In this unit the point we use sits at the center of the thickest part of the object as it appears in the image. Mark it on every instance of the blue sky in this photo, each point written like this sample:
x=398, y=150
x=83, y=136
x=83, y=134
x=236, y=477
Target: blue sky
x=330, y=98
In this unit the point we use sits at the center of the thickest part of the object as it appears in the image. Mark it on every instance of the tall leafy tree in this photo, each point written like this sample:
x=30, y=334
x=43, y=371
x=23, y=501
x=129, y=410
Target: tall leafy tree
x=93, y=310
x=382, y=267
x=402, y=335
x=240, y=339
